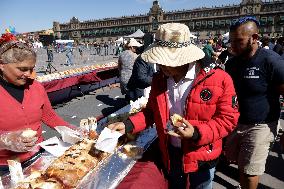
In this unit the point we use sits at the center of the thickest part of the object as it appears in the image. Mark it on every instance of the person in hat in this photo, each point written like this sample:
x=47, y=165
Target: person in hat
x=140, y=81
x=125, y=65
x=258, y=75
x=190, y=85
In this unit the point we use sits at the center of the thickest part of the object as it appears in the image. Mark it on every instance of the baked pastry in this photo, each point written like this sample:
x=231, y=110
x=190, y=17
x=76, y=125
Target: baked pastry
x=28, y=133
x=132, y=150
x=42, y=183
x=90, y=125
x=92, y=120
x=67, y=170
x=176, y=118
x=84, y=123
x=93, y=135
x=75, y=163
x=39, y=181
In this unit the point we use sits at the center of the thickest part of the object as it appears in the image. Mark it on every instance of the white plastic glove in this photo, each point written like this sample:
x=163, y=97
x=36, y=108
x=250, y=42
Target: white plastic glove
x=71, y=134
x=16, y=141
x=81, y=130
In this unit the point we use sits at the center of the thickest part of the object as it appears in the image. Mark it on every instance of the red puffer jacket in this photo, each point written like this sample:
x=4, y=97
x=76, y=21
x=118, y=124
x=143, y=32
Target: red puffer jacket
x=211, y=108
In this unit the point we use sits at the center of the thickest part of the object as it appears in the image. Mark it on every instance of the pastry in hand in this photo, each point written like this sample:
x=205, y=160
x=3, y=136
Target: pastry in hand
x=132, y=150
x=28, y=133
x=175, y=119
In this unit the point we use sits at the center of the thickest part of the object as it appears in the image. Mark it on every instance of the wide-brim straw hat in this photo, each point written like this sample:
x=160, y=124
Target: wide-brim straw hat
x=172, y=47
x=134, y=43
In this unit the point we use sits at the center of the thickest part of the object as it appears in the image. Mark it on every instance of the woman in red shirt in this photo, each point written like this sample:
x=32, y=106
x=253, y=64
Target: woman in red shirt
x=24, y=104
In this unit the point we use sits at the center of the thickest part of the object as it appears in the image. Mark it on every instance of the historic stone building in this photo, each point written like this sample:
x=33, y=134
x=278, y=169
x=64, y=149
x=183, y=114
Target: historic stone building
x=203, y=22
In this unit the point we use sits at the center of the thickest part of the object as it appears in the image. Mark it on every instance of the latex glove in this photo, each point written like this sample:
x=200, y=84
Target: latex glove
x=15, y=141
x=118, y=126
x=81, y=130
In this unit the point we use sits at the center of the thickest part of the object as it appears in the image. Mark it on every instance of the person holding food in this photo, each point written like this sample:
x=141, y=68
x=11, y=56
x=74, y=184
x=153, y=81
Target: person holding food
x=24, y=104
x=193, y=105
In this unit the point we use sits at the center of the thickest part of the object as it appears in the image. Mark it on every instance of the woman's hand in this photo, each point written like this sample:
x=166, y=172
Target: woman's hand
x=16, y=141
x=118, y=126
x=182, y=129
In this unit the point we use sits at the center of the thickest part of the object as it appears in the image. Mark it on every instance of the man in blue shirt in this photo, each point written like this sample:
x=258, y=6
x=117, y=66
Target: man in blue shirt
x=69, y=54
x=258, y=76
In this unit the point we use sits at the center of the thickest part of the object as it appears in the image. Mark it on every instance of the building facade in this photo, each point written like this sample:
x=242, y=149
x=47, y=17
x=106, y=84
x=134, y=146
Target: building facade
x=203, y=22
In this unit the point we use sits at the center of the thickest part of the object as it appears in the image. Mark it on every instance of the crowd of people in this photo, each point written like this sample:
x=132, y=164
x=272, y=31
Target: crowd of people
x=228, y=90
x=227, y=96
x=69, y=48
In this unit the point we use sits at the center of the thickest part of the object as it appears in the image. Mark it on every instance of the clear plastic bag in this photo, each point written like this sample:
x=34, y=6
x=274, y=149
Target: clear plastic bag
x=18, y=141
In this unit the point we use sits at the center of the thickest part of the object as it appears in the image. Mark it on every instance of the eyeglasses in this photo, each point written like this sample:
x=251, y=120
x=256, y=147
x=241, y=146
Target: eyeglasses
x=245, y=20
x=13, y=44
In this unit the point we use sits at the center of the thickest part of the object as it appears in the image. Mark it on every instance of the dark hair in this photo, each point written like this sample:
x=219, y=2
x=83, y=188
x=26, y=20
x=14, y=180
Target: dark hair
x=242, y=21
x=280, y=40
x=265, y=41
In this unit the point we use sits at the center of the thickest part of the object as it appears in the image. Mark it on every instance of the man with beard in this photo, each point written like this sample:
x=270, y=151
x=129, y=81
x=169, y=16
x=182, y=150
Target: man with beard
x=258, y=76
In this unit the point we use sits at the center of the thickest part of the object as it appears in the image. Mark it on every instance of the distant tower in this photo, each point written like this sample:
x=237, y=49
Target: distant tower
x=156, y=14
x=56, y=30
x=74, y=25
x=250, y=7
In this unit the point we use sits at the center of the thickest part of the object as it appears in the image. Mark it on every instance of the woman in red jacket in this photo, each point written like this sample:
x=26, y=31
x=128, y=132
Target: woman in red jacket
x=24, y=104
x=190, y=85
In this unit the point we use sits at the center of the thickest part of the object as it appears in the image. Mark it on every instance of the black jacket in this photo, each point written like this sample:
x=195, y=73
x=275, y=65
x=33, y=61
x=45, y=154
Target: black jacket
x=140, y=79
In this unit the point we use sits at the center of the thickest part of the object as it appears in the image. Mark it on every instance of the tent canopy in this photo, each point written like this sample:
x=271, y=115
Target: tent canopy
x=192, y=36
x=121, y=40
x=137, y=34
x=226, y=35
x=64, y=41
x=37, y=45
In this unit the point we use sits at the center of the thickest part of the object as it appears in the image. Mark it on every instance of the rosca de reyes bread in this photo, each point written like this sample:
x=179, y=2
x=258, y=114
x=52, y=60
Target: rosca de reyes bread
x=69, y=169
x=175, y=118
x=75, y=163
x=28, y=133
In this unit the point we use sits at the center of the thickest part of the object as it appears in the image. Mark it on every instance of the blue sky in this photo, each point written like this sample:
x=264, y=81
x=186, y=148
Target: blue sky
x=34, y=15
